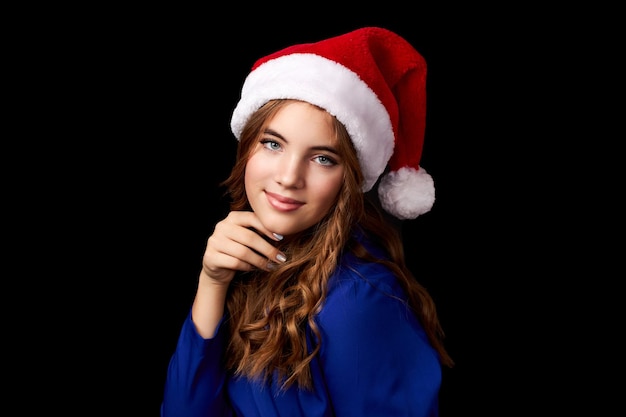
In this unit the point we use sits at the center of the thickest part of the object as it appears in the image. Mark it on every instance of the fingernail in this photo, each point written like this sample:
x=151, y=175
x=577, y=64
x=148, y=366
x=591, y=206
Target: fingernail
x=271, y=266
x=277, y=236
x=281, y=257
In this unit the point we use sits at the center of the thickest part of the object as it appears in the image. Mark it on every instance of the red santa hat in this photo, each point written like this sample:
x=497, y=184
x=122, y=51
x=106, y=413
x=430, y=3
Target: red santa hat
x=374, y=82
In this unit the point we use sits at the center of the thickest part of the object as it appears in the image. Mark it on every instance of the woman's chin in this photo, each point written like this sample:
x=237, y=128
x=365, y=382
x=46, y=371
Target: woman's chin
x=283, y=226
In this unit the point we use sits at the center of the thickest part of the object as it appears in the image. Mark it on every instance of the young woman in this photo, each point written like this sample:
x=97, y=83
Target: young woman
x=304, y=304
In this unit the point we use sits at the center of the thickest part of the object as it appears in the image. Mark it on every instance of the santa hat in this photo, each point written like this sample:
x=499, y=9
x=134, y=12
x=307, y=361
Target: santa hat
x=374, y=82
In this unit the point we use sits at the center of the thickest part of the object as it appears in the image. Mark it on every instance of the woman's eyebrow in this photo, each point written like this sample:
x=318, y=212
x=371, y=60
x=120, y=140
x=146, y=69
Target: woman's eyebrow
x=274, y=133
x=325, y=148
x=315, y=148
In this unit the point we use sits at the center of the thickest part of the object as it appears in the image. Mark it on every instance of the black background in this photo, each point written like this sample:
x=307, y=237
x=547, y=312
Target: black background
x=136, y=108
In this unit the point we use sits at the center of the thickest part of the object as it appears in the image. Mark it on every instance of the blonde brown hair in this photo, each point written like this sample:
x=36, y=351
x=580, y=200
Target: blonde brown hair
x=268, y=311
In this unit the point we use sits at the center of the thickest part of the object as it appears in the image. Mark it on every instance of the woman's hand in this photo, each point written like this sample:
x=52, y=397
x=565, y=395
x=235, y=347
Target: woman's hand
x=237, y=245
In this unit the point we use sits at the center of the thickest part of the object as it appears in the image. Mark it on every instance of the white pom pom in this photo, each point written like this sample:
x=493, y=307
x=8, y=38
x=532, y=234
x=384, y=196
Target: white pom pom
x=407, y=193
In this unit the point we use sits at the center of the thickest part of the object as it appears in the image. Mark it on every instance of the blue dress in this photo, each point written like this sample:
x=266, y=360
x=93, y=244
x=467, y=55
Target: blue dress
x=375, y=360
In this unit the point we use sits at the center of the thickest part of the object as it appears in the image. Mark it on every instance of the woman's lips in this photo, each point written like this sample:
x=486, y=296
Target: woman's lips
x=283, y=203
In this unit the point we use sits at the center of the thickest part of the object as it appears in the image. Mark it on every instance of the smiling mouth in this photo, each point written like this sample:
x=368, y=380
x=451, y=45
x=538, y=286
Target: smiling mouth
x=282, y=203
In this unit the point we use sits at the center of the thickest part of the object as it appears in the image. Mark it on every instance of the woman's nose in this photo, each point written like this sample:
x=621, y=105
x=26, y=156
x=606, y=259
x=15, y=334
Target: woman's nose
x=290, y=172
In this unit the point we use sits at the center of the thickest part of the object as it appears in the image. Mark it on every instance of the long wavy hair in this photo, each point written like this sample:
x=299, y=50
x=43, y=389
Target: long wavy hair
x=268, y=311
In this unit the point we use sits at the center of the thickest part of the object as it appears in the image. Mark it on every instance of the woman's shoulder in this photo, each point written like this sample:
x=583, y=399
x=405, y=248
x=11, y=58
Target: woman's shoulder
x=360, y=271
x=362, y=290
x=354, y=271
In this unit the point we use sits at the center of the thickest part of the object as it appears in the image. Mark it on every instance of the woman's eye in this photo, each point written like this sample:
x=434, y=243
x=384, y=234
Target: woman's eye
x=270, y=144
x=324, y=160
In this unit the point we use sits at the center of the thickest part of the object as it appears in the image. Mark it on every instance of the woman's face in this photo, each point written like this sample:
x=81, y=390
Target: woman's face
x=294, y=173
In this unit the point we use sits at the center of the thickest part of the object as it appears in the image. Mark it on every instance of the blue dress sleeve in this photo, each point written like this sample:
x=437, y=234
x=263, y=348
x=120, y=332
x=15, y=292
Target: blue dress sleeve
x=376, y=358
x=195, y=381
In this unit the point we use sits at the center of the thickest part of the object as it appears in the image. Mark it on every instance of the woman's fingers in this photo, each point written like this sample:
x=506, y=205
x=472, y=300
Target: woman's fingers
x=236, y=244
x=251, y=237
